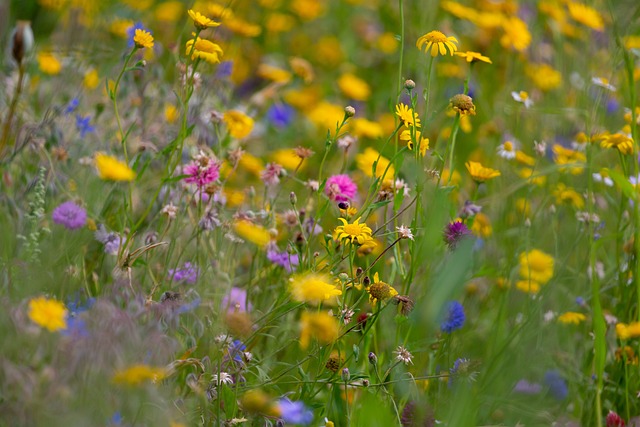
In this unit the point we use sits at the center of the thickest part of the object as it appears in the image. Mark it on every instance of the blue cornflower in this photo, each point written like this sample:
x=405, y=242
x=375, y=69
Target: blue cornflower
x=190, y=306
x=294, y=412
x=557, y=385
x=76, y=328
x=71, y=106
x=280, y=115
x=236, y=348
x=83, y=125
x=131, y=32
x=454, y=318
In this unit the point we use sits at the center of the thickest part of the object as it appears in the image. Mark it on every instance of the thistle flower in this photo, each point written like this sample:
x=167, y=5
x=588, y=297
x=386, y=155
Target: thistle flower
x=70, y=215
x=404, y=232
x=403, y=355
x=454, y=232
x=271, y=174
x=340, y=188
x=187, y=274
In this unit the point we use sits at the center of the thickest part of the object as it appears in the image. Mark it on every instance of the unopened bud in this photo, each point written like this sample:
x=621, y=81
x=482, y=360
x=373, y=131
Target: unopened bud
x=373, y=359
x=365, y=383
x=409, y=84
x=21, y=41
x=359, y=271
x=349, y=111
x=345, y=374
x=292, y=198
x=343, y=205
x=366, y=281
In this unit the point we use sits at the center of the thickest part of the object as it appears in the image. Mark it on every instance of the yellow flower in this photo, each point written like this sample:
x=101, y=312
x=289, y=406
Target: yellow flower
x=544, y=77
x=313, y=288
x=570, y=160
x=326, y=115
x=112, y=169
x=365, y=128
x=288, y=158
x=320, y=326
x=354, y=87
x=632, y=42
x=279, y=22
x=564, y=194
x=138, y=374
x=481, y=226
x=254, y=233
x=624, y=331
x=143, y=39
x=252, y=164
x=387, y=43
x=516, y=34
x=239, y=124
x=474, y=57
x=586, y=16
x=380, y=291
x=91, y=79
x=528, y=174
x=242, y=27
x=360, y=233
x=302, y=68
x=275, y=74
x=200, y=21
x=370, y=156
x=622, y=142
x=407, y=115
x=204, y=49
x=462, y=104
x=536, y=266
x=171, y=113
x=438, y=43
x=48, y=313
x=424, y=142
x=169, y=11
x=479, y=173
x=48, y=63
x=119, y=27
x=571, y=317
x=308, y=9
x=528, y=286
x=524, y=159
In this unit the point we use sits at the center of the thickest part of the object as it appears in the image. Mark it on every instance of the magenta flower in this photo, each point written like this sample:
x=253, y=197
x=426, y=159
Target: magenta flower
x=454, y=232
x=340, y=188
x=70, y=215
x=201, y=171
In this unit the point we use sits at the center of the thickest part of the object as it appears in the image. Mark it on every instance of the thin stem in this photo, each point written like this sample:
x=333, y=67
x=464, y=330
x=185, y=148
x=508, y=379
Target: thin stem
x=12, y=108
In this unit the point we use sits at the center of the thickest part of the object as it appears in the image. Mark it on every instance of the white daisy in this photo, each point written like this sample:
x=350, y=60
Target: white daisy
x=507, y=150
x=523, y=97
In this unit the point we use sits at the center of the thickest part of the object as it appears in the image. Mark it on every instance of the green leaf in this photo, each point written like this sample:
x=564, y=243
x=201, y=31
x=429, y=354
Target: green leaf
x=623, y=183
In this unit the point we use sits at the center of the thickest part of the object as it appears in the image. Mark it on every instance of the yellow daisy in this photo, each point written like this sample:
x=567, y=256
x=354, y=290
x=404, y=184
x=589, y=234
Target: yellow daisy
x=200, y=21
x=354, y=232
x=438, y=43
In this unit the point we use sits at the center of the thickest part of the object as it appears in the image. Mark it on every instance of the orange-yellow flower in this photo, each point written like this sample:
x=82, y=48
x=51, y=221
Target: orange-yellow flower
x=480, y=173
x=438, y=43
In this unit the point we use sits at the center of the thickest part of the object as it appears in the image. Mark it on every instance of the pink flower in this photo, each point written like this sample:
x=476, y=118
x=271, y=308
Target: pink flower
x=340, y=188
x=201, y=171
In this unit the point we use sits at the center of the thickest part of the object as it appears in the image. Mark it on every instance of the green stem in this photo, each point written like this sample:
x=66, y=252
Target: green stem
x=12, y=108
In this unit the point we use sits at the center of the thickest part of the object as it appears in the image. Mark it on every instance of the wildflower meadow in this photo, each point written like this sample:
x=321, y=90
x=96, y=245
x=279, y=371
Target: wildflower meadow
x=320, y=213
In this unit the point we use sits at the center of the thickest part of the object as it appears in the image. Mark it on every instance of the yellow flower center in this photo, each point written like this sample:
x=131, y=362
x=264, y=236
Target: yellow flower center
x=524, y=95
x=436, y=37
x=352, y=229
x=508, y=146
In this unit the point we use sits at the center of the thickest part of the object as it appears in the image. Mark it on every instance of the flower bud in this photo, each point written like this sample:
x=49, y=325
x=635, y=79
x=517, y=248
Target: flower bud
x=365, y=383
x=343, y=205
x=373, y=359
x=614, y=420
x=349, y=111
x=292, y=198
x=345, y=374
x=21, y=41
x=409, y=84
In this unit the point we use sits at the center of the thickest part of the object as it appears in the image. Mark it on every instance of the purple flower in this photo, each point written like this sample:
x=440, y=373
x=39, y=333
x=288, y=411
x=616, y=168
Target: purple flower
x=70, y=215
x=557, y=385
x=454, y=319
x=224, y=69
x=83, y=126
x=283, y=259
x=187, y=274
x=340, y=188
x=201, y=171
x=454, y=232
x=280, y=115
x=236, y=301
x=294, y=412
x=525, y=387
x=111, y=241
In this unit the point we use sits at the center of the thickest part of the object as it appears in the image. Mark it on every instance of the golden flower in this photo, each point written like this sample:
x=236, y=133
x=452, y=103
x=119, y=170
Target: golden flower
x=544, y=76
x=564, y=195
x=354, y=87
x=313, y=287
x=622, y=142
x=220, y=12
x=360, y=233
x=536, y=266
x=570, y=160
x=288, y=158
x=529, y=175
x=480, y=173
x=481, y=226
x=474, y=57
x=112, y=169
x=171, y=113
x=524, y=159
x=204, y=49
x=48, y=63
x=370, y=156
x=279, y=22
x=438, y=43
x=320, y=326
x=200, y=21
x=462, y=104
x=624, y=331
x=254, y=233
x=242, y=27
x=380, y=291
x=48, y=313
x=91, y=79
x=387, y=43
x=302, y=68
x=571, y=317
x=423, y=144
x=516, y=34
x=239, y=124
x=528, y=286
x=365, y=128
x=586, y=16
x=138, y=374
x=407, y=115
x=143, y=39
x=275, y=74
x=632, y=42
x=326, y=115
x=169, y=11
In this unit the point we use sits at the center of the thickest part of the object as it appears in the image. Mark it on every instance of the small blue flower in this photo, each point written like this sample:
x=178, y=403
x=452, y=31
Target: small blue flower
x=280, y=115
x=71, y=106
x=454, y=319
x=236, y=348
x=224, y=70
x=557, y=385
x=294, y=412
x=83, y=126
